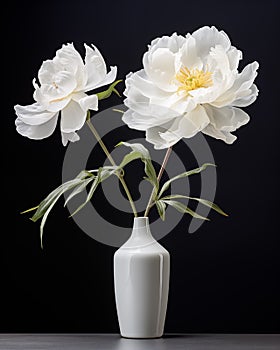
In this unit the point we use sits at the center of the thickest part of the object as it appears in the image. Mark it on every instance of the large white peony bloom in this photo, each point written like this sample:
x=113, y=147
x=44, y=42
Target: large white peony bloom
x=64, y=82
x=190, y=84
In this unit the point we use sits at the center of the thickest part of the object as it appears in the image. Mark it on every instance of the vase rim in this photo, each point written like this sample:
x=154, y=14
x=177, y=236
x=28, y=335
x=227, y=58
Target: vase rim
x=141, y=221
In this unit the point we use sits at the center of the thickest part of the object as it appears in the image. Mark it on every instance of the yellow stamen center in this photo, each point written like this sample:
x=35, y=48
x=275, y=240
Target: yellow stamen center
x=191, y=79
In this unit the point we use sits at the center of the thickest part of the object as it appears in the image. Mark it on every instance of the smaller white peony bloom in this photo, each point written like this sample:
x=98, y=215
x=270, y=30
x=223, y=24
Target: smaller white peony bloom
x=187, y=85
x=63, y=83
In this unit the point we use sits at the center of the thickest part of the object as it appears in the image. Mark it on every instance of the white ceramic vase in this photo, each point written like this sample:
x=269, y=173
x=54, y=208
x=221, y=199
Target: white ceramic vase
x=141, y=276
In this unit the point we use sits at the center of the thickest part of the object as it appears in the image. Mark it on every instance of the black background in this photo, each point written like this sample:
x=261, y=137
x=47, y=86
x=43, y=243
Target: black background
x=225, y=277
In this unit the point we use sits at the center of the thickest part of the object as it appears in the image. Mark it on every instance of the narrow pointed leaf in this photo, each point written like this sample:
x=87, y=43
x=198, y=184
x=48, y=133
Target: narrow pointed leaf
x=107, y=93
x=161, y=206
x=44, y=218
x=210, y=205
x=53, y=196
x=102, y=174
x=78, y=189
x=28, y=210
x=118, y=110
x=205, y=202
x=84, y=174
x=44, y=208
x=180, y=176
x=93, y=187
x=184, y=209
x=139, y=151
x=129, y=158
x=107, y=171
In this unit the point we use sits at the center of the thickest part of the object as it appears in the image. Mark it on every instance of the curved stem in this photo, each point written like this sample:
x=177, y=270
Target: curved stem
x=165, y=160
x=111, y=160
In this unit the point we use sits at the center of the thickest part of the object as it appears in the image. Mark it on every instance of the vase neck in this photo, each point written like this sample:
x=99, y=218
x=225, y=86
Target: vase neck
x=140, y=222
x=141, y=229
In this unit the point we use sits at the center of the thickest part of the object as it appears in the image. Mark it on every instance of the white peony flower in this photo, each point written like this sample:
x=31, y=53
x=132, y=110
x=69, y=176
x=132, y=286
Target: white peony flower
x=64, y=82
x=190, y=84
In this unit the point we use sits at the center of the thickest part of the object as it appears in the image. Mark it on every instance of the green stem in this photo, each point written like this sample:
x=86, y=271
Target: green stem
x=165, y=160
x=111, y=160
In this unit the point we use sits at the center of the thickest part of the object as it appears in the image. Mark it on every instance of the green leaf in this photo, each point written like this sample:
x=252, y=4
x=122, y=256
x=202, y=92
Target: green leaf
x=202, y=201
x=53, y=196
x=84, y=174
x=44, y=205
x=30, y=209
x=78, y=189
x=139, y=151
x=180, y=176
x=48, y=203
x=107, y=93
x=102, y=174
x=184, y=209
x=107, y=171
x=93, y=187
x=130, y=157
x=45, y=218
x=118, y=110
x=161, y=206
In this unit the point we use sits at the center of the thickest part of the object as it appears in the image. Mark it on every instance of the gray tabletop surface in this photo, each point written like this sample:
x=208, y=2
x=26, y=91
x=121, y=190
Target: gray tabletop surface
x=114, y=341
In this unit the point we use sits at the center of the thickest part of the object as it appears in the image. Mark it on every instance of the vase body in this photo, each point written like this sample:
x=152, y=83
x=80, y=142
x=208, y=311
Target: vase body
x=141, y=278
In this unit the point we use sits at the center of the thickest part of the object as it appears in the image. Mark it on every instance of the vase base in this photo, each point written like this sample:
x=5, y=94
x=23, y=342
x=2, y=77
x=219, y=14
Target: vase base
x=141, y=337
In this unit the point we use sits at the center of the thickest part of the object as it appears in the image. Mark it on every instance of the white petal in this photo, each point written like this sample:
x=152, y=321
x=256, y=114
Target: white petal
x=95, y=67
x=142, y=104
x=245, y=79
x=171, y=133
x=227, y=137
x=222, y=77
x=37, y=132
x=135, y=121
x=227, y=118
x=147, y=117
x=177, y=102
x=198, y=117
x=71, y=136
x=33, y=114
x=234, y=56
x=188, y=53
x=135, y=98
x=58, y=105
x=73, y=117
x=153, y=136
x=186, y=126
x=109, y=78
x=40, y=97
x=218, y=59
x=247, y=100
x=68, y=59
x=89, y=102
x=63, y=84
x=241, y=86
x=142, y=90
x=206, y=95
x=161, y=69
x=144, y=85
x=207, y=37
x=139, y=88
x=47, y=71
x=50, y=104
x=157, y=135
x=173, y=43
